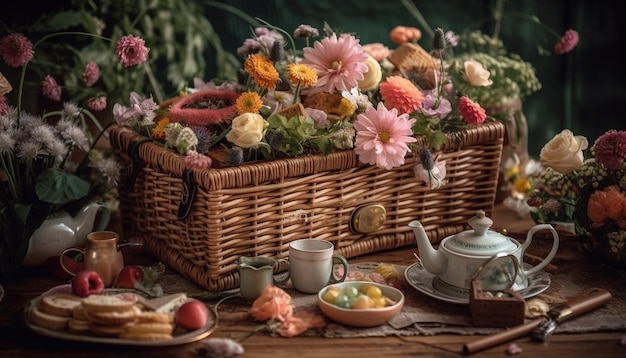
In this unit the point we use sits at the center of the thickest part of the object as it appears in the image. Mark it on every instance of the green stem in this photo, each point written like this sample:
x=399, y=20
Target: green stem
x=7, y=166
x=497, y=17
x=153, y=82
x=297, y=94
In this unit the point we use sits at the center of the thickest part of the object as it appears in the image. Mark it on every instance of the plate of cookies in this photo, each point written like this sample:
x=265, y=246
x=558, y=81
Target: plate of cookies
x=120, y=317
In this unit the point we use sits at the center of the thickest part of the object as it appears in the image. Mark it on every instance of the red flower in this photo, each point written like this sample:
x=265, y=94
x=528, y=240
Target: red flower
x=471, y=111
x=566, y=43
x=16, y=49
x=131, y=50
x=610, y=149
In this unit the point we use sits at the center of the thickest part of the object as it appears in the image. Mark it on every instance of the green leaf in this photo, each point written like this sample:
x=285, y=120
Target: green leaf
x=56, y=186
x=436, y=140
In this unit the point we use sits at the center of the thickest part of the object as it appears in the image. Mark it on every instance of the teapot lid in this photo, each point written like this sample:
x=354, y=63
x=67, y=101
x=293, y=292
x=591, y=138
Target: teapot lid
x=480, y=241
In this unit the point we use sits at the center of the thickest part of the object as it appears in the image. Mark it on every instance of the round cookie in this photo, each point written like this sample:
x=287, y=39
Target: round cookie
x=59, y=304
x=46, y=320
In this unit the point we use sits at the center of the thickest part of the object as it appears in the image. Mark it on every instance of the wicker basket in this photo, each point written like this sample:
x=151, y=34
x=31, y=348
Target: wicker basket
x=258, y=209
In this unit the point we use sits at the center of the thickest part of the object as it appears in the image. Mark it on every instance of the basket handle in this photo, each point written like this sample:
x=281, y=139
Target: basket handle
x=134, y=166
x=187, y=195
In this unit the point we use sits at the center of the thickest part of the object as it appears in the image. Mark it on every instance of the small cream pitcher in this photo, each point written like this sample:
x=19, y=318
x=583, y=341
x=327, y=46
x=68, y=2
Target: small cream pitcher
x=255, y=274
x=101, y=255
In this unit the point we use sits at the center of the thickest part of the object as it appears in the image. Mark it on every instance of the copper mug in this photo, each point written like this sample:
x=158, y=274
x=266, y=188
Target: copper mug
x=101, y=254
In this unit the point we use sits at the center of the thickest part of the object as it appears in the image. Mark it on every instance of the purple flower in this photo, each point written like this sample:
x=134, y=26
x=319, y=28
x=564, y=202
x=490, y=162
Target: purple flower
x=428, y=106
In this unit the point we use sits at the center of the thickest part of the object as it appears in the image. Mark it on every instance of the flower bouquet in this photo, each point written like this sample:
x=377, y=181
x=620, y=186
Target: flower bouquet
x=323, y=142
x=584, y=187
x=49, y=162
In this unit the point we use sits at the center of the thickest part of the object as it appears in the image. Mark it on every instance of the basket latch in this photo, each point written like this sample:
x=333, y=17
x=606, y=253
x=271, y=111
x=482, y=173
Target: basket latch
x=134, y=166
x=367, y=218
x=187, y=195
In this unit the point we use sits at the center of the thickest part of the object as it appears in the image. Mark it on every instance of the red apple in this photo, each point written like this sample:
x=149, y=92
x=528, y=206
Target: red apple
x=191, y=315
x=87, y=283
x=128, y=277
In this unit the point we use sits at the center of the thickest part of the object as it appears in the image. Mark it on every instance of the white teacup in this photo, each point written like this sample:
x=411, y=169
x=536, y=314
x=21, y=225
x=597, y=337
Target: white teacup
x=311, y=265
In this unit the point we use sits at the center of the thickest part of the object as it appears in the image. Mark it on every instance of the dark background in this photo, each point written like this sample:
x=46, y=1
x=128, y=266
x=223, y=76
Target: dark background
x=582, y=90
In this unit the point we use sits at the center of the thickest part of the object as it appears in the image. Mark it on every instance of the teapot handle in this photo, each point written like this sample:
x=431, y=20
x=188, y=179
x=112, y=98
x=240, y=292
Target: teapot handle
x=105, y=217
x=555, y=246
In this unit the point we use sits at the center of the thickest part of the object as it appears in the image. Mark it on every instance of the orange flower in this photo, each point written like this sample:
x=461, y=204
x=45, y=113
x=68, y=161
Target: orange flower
x=273, y=303
x=301, y=74
x=607, y=205
x=262, y=71
x=402, y=34
x=300, y=322
x=400, y=93
x=249, y=102
x=158, y=132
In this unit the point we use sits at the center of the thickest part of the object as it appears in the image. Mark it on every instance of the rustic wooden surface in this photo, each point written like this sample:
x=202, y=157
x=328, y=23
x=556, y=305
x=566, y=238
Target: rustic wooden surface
x=16, y=340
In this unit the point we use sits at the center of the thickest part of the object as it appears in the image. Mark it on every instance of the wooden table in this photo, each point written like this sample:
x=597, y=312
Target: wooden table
x=16, y=340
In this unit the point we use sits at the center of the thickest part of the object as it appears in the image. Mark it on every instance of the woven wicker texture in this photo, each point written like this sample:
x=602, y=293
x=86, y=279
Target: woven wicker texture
x=258, y=209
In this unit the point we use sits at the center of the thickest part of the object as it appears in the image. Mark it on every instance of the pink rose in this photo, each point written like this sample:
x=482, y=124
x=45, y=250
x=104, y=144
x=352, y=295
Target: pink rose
x=273, y=303
x=300, y=322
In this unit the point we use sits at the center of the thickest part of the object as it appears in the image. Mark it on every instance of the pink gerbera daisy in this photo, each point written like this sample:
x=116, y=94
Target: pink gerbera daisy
x=91, y=73
x=51, y=88
x=131, y=50
x=339, y=63
x=400, y=93
x=610, y=149
x=16, y=49
x=471, y=111
x=382, y=136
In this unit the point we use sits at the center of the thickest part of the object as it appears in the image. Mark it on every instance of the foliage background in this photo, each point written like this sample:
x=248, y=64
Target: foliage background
x=583, y=90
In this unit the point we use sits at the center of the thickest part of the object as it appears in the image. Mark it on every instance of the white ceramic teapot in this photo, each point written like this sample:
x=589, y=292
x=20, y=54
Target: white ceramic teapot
x=62, y=230
x=471, y=253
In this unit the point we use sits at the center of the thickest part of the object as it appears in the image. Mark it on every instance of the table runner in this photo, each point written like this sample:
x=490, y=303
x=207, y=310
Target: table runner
x=425, y=315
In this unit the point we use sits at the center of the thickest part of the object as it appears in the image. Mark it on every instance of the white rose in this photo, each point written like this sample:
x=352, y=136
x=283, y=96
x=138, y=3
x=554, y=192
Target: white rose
x=564, y=153
x=247, y=130
x=476, y=75
x=372, y=77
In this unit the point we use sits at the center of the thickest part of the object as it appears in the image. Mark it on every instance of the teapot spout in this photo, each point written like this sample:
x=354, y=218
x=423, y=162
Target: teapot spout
x=432, y=260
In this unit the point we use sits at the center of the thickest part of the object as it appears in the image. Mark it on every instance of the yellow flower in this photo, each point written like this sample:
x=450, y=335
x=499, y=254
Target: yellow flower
x=262, y=71
x=249, y=102
x=512, y=172
x=301, y=74
x=522, y=185
x=346, y=108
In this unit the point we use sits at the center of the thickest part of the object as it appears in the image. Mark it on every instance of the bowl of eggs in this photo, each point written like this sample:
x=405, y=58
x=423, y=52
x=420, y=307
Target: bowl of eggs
x=360, y=303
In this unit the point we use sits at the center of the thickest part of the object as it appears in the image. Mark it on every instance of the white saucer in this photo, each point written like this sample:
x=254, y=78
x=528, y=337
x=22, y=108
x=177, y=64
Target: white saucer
x=422, y=281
